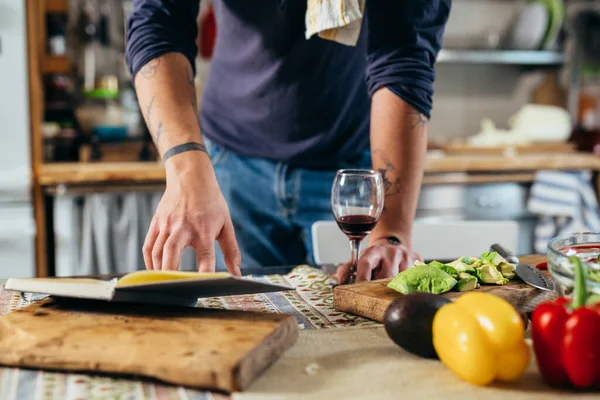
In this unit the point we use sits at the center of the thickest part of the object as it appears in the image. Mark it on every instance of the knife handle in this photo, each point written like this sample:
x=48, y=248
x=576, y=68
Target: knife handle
x=504, y=253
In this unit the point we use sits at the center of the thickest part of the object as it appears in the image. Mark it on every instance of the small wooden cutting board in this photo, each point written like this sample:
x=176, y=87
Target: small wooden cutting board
x=202, y=348
x=371, y=299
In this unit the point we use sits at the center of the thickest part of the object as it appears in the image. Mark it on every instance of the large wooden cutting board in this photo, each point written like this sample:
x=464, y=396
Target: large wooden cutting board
x=208, y=349
x=371, y=299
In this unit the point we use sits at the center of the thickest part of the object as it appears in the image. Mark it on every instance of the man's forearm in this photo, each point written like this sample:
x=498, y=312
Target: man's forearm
x=167, y=97
x=398, y=146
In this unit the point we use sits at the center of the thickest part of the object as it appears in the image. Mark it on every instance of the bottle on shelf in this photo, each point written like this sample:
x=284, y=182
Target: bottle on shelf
x=589, y=97
x=586, y=134
x=56, y=33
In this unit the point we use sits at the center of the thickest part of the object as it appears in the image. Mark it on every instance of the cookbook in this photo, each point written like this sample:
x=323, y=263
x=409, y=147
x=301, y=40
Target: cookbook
x=159, y=287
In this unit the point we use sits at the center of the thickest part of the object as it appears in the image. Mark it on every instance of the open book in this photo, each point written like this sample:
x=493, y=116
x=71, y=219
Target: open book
x=160, y=287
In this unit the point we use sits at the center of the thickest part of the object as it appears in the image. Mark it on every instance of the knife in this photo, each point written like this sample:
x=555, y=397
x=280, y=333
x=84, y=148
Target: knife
x=530, y=275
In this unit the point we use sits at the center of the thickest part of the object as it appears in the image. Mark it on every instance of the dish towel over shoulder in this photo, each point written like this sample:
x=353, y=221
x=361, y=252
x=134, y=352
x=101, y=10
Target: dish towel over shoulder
x=336, y=20
x=565, y=202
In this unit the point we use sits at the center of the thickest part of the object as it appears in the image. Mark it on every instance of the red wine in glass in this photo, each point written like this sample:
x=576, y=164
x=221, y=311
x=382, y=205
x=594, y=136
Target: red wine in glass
x=357, y=197
x=356, y=227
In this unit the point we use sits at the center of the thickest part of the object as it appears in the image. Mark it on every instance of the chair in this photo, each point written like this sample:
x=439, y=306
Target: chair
x=442, y=240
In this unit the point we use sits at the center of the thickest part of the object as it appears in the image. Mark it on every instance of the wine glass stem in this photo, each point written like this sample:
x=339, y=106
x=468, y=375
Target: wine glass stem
x=355, y=246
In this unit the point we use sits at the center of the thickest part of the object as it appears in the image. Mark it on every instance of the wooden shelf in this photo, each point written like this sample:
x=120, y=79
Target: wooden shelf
x=488, y=169
x=102, y=172
x=529, y=162
x=57, y=6
x=56, y=65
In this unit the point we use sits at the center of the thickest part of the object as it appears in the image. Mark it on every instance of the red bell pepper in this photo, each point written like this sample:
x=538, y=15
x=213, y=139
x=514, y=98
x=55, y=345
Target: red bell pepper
x=566, y=338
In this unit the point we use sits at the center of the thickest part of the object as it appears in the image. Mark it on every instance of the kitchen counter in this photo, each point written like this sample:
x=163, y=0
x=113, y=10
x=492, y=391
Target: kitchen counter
x=485, y=168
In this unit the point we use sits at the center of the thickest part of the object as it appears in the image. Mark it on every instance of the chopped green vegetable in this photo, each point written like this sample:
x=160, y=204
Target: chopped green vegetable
x=423, y=278
x=450, y=270
x=467, y=283
x=488, y=273
x=466, y=260
x=464, y=275
x=475, y=262
x=507, y=270
x=593, y=299
x=594, y=275
x=418, y=262
x=462, y=267
x=492, y=258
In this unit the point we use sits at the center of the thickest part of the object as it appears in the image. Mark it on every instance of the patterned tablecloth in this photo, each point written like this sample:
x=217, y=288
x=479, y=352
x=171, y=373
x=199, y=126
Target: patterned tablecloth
x=311, y=304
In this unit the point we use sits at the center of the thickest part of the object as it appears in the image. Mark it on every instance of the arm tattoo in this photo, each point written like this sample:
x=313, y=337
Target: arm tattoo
x=189, y=73
x=418, y=120
x=391, y=180
x=148, y=71
x=182, y=148
x=159, y=131
x=149, y=113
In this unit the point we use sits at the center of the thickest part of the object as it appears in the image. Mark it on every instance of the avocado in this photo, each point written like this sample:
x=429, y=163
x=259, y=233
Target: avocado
x=422, y=278
x=475, y=262
x=507, y=270
x=418, y=262
x=488, y=273
x=462, y=267
x=450, y=270
x=491, y=257
x=466, y=283
x=408, y=321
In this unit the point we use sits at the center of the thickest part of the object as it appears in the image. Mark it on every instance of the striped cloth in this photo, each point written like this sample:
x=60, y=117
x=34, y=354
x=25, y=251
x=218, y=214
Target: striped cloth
x=336, y=20
x=565, y=202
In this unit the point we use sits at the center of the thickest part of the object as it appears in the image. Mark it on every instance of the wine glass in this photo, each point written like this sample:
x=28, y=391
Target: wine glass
x=357, y=201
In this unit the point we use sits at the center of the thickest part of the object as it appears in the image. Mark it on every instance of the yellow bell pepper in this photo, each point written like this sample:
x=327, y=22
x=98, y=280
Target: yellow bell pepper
x=480, y=337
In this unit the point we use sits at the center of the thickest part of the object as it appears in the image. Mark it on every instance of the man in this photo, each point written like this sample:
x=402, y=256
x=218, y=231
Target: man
x=281, y=114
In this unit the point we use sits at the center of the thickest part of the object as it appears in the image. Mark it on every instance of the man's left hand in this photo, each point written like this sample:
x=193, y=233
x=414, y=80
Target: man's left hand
x=379, y=261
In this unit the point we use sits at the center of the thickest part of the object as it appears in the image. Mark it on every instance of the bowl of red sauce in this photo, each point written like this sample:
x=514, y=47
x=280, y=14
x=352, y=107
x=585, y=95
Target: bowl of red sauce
x=585, y=246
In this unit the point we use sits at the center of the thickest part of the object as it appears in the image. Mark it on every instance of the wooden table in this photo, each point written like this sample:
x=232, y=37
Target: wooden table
x=337, y=356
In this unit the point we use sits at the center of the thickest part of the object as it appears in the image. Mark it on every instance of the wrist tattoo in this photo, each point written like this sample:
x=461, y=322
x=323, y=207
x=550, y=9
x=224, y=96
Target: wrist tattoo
x=149, y=70
x=419, y=120
x=391, y=180
x=182, y=148
x=393, y=240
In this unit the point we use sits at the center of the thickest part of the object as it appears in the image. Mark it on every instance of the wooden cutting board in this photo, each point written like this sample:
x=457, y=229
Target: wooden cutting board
x=202, y=348
x=371, y=299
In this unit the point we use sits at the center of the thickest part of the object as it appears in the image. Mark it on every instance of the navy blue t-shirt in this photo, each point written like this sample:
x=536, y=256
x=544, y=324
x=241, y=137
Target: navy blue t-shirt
x=273, y=94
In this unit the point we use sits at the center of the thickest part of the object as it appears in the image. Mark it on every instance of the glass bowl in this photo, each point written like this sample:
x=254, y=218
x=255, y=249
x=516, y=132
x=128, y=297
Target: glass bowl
x=586, y=246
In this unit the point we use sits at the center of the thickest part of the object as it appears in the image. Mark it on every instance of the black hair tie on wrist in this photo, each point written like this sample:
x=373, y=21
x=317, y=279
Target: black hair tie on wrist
x=182, y=148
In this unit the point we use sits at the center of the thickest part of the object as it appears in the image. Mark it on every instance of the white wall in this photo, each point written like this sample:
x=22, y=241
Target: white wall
x=465, y=94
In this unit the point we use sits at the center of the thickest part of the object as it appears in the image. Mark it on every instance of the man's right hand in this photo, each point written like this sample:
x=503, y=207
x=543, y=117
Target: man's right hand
x=192, y=212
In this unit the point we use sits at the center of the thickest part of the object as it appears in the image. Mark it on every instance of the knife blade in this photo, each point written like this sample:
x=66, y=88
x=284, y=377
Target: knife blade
x=534, y=277
x=528, y=274
x=505, y=253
